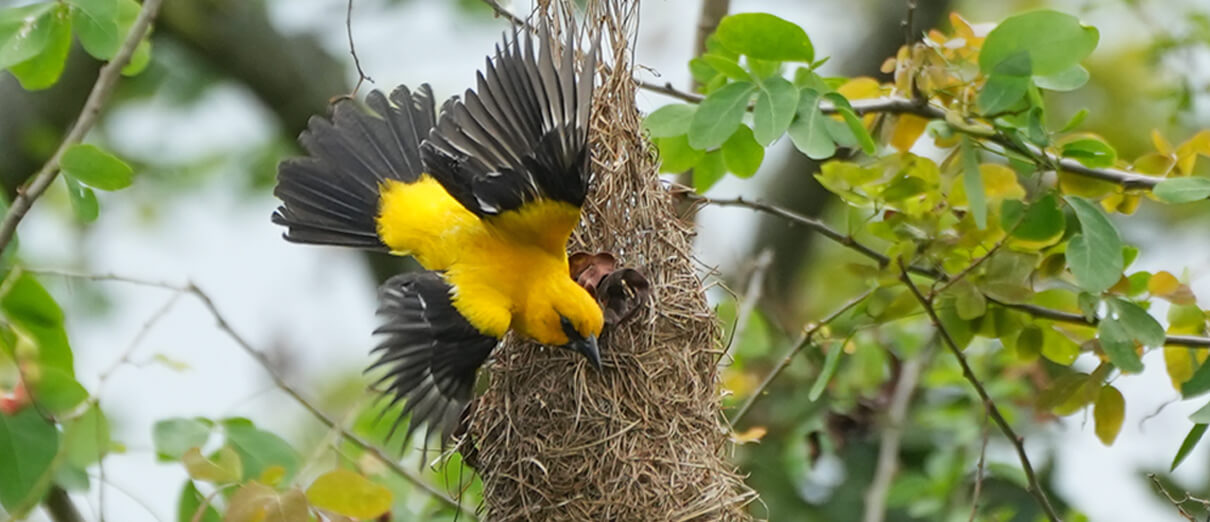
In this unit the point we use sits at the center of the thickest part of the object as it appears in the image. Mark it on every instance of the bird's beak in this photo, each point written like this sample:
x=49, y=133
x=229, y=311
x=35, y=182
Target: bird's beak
x=588, y=348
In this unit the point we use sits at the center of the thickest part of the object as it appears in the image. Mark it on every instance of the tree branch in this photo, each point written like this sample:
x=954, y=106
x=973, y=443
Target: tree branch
x=892, y=434
x=851, y=243
x=803, y=340
x=60, y=507
x=277, y=379
x=101, y=90
x=899, y=105
x=1035, y=488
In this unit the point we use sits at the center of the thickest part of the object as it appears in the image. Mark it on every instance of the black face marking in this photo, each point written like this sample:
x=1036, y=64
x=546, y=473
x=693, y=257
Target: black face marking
x=569, y=329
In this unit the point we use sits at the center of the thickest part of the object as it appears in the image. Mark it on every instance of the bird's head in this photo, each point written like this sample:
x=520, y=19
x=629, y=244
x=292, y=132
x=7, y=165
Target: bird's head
x=561, y=313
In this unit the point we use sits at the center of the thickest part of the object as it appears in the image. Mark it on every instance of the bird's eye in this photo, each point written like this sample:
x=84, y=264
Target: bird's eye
x=568, y=328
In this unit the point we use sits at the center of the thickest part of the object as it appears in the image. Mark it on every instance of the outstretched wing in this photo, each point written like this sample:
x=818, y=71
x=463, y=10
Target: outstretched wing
x=522, y=135
x=331, y=195
x=430, y=352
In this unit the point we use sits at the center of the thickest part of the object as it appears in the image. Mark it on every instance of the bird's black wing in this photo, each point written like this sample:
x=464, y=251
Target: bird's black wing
x=430, y=352
x=331, y=195
x=522, y=135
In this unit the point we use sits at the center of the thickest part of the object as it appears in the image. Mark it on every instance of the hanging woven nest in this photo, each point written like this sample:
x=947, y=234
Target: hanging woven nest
x=644, y=439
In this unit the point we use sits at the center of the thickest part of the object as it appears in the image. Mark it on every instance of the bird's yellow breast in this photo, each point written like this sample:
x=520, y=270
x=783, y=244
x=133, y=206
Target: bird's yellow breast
x=494, y=264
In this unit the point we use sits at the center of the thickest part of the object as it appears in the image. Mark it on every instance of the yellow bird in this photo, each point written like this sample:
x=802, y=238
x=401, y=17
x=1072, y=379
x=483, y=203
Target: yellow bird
x=485, y=197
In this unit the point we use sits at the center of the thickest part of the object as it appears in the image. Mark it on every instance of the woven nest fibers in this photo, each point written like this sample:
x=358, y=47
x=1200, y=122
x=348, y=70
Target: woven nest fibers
x=644, y=438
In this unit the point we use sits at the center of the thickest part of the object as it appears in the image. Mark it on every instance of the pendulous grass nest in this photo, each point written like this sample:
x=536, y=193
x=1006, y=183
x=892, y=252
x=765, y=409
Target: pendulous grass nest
x=643, y=439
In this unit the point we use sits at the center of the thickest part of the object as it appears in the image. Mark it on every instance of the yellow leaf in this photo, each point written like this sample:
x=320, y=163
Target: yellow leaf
x=999, y=183
x=1161, y=145
x=738, y=382
x=1109, y=412
x=225, y=468
x=272, y=475
x=1155, y=164
x=862, y=87
x=753, y=434
x=1121, y=202
x=1162, y=283
x=906, y=130
x=1075, y=184
x=256, y=502
x=1186, y=153
x=1179, y=363
x=347, y=493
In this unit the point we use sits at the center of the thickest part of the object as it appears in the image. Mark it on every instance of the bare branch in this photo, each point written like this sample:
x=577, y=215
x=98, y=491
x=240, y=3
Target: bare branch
x=851, y=243
x=756, y=284
x=978, y=490
x=361, y=75
x=106, y=80
x=803, y=340
x=278, y=380
x=1035, y=487
x=892, y=434
x=505, y=14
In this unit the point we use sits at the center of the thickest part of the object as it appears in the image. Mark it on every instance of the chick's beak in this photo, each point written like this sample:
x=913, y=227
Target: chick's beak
x=587, y=346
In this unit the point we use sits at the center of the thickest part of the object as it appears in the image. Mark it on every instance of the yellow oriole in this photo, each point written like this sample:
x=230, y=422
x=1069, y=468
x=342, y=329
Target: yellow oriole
x=485, y=197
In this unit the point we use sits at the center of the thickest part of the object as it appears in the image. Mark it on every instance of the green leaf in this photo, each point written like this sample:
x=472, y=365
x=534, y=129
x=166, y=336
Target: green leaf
x=28, y=444
x=173, y=437
x=670, y=120
x=1068, y=79
x=727, y=66
x=1201, y=416
x=96, y=168
x=1108, y=413
x=701, y=71
x=24, y=32
x=260, y=449
x=972, y=182
x=223, y=467
x=1187, y=445
x=1005, y=86
x=708, y=171
x=719, y=114
x=676, y=155
x=139, y=60
x=775, y=106
x=86, y=438
x=1036, y=227
x=97, y=27
x=742, y=154
x=1198, y=384
x=1075, y=121
x=1095, y=254
x=1138, y=323
x=83, y=200
x=765, y=37
x=1119, y=345
x=830, y=363
x=348, y=493
x=1182, y=190
x=31, y=308
x=44, y=70
x=1091, y=152
x=256, y=502
x=1054, y=41
x=969, y=302
x=58, y=391
x=853, y=121
x=809, y=130
x=190, y=504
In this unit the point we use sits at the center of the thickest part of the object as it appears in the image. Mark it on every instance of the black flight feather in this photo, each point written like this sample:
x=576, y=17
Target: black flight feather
x=331, y=196
x=522, y=135
x=431, y=353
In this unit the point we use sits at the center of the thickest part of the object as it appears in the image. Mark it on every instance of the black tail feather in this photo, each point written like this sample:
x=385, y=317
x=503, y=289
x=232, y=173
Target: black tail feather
x=331, y=196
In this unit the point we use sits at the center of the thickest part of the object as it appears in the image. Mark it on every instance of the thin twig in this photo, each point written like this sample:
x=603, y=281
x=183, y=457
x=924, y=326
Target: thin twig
x=361, y=75
x=851, y=243
x=909, y=24
x=1178, y=503
x=979, y=474
x=59, y=506
x=277, y=379
x=756, y=284
x=1035, y=487
x=892, y=434
x=106, y=80
x=803, y=340
x=506, y=14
